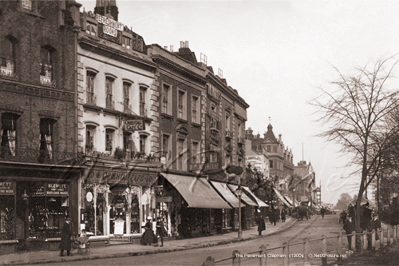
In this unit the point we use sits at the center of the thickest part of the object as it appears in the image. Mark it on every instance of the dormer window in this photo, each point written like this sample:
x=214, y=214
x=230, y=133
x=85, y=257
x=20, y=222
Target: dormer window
x=126, y=42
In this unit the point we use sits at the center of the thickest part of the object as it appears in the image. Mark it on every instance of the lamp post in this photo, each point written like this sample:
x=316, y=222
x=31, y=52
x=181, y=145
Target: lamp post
x=239, y=211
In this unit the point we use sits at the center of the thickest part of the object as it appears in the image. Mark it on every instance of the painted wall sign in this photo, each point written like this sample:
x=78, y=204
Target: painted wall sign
x=134, y=125
x=142, y=178
x=117, y=177
x=7, y=188
x=57, y=189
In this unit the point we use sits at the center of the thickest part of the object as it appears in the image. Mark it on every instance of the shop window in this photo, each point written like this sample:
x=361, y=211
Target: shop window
x=135, y=227
x=195, y=110
x=46, y=139
x=7, y=57
x=118, y=210
x=126, y=42
x=7, y=210
x=181, y=105
x=46, y=65
x=167, y=99
x=109, y=137
x=90, y=134
x=8, y=135
x=93, y=217
x=91, y=28
x=126, y=97
x=143, y=111
x=143, y=140
x=90, y=81
x=109, y=83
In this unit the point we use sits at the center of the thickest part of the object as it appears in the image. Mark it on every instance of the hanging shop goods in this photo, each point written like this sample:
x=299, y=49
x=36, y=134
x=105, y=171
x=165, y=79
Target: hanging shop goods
x=115, y=202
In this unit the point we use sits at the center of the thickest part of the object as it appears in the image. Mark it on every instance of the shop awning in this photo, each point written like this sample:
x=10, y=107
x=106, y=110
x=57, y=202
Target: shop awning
x=288, y=200
x=226, y=193
x=281, y=197
x=244, y=197
x=198, y=193
x=260, y=202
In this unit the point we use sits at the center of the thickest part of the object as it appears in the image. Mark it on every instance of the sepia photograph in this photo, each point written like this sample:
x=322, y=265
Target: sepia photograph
x=199, y=132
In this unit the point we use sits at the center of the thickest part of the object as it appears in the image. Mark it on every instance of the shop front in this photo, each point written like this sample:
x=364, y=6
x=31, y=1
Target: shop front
x=248, y=212
x=115, y=203
x=195, y=208
x=33, y=211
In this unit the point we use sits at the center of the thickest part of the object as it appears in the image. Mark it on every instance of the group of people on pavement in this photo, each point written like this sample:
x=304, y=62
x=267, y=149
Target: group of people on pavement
x=368, y=221
x=274, y=216
x=148, y=237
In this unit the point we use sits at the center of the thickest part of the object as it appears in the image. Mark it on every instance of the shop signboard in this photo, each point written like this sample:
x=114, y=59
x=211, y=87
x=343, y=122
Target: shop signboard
x=119, y=226
x=164, y=199
x=133, y=125
x=142, y=178
x=37, y=190
x=110, y=26
x=7, y=188
x=57, y=190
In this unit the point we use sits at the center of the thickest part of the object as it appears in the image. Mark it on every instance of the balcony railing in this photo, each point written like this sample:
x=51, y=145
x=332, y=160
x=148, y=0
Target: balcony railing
x=7, y=68
x=46, y=81
x=91, y=98
x=130, y=156
x=26, y=155
x=127, y=108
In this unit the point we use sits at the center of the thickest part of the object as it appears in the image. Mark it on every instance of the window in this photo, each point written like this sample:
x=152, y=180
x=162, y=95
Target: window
x=268, y=148
x=195, y=153
x=90, y=133
x=91, y=28
x=227, y=122
x=239, y=130
x=90, y=96
x=8, y=134
x=27, y=4
x=7, y=57
x=109, y=137
x=46, y=139
x=126, y=97
x=166, y=99
x=180, y=158
x=165, y=147
x=275, y=149
x=126, y=42
x=109, y=83
x=143, y=111
x=46, y=66
x=214, y=153
x=143, y=140
x=128, y=144
x=195, y=106
x=271, y=163
x=181, y=108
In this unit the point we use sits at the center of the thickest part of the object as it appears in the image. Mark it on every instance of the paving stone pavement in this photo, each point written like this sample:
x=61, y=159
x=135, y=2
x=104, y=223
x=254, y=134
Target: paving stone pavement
x=129, y=249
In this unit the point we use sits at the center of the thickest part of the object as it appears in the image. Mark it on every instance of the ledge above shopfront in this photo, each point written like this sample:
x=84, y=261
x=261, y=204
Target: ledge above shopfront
x=197, y=192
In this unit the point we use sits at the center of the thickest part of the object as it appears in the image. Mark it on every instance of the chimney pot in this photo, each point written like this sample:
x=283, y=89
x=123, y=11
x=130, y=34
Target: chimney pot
x=186, y=45
x=181, y=44
x=171, y=48
x=165, y=47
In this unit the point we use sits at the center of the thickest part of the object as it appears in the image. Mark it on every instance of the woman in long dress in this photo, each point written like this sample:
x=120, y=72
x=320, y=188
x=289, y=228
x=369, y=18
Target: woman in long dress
x=148, y=236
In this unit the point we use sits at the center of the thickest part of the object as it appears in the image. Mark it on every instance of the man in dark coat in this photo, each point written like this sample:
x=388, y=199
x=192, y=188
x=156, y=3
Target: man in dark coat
x=283, y=213
x=349, y=227
x=374, y=224
x=66, y=234
x=322, y=211
x=160, y=230
x=261, y=224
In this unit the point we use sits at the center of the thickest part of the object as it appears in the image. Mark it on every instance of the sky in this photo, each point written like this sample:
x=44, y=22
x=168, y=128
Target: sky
x=277, y=55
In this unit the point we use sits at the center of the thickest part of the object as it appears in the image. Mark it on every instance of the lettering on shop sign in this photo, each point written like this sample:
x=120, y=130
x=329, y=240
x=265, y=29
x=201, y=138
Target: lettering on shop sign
x=110, y=26
x=37, y=190
x=57, y=190
x=7, y=188
x=142, y=179
x=134, y=125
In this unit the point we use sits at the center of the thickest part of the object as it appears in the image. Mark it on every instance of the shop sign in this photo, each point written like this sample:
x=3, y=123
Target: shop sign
x=57, y=190
x=133, y=125
x=89, y=196
x=108, y=177
x=110, y=26
x=7, y=188
x=142, y=178
x=38, y=190
x=206, y=167
x=164, y=199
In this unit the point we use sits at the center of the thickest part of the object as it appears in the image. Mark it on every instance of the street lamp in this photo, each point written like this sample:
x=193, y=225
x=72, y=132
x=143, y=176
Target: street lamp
x=239, y=192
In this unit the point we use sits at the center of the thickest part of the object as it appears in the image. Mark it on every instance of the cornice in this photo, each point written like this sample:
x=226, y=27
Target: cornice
x=178, y=68
x=227, y=91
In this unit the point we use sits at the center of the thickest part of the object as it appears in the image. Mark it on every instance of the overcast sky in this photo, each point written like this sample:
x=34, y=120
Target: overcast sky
x=277, y=54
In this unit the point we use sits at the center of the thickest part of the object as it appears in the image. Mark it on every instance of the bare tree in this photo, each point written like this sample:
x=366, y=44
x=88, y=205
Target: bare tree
x=355, y=113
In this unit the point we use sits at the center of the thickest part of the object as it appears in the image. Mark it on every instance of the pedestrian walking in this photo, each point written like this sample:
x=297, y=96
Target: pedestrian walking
x=283, y=214
x=160, y=230
x=261, y=223
x=322, y=211
x=148, y=236
x=66, y=234
x=349, y=228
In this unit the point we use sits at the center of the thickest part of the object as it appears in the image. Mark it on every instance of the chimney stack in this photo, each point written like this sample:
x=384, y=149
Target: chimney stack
x=181, y=44
x=186, y=45
x=171, y=48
